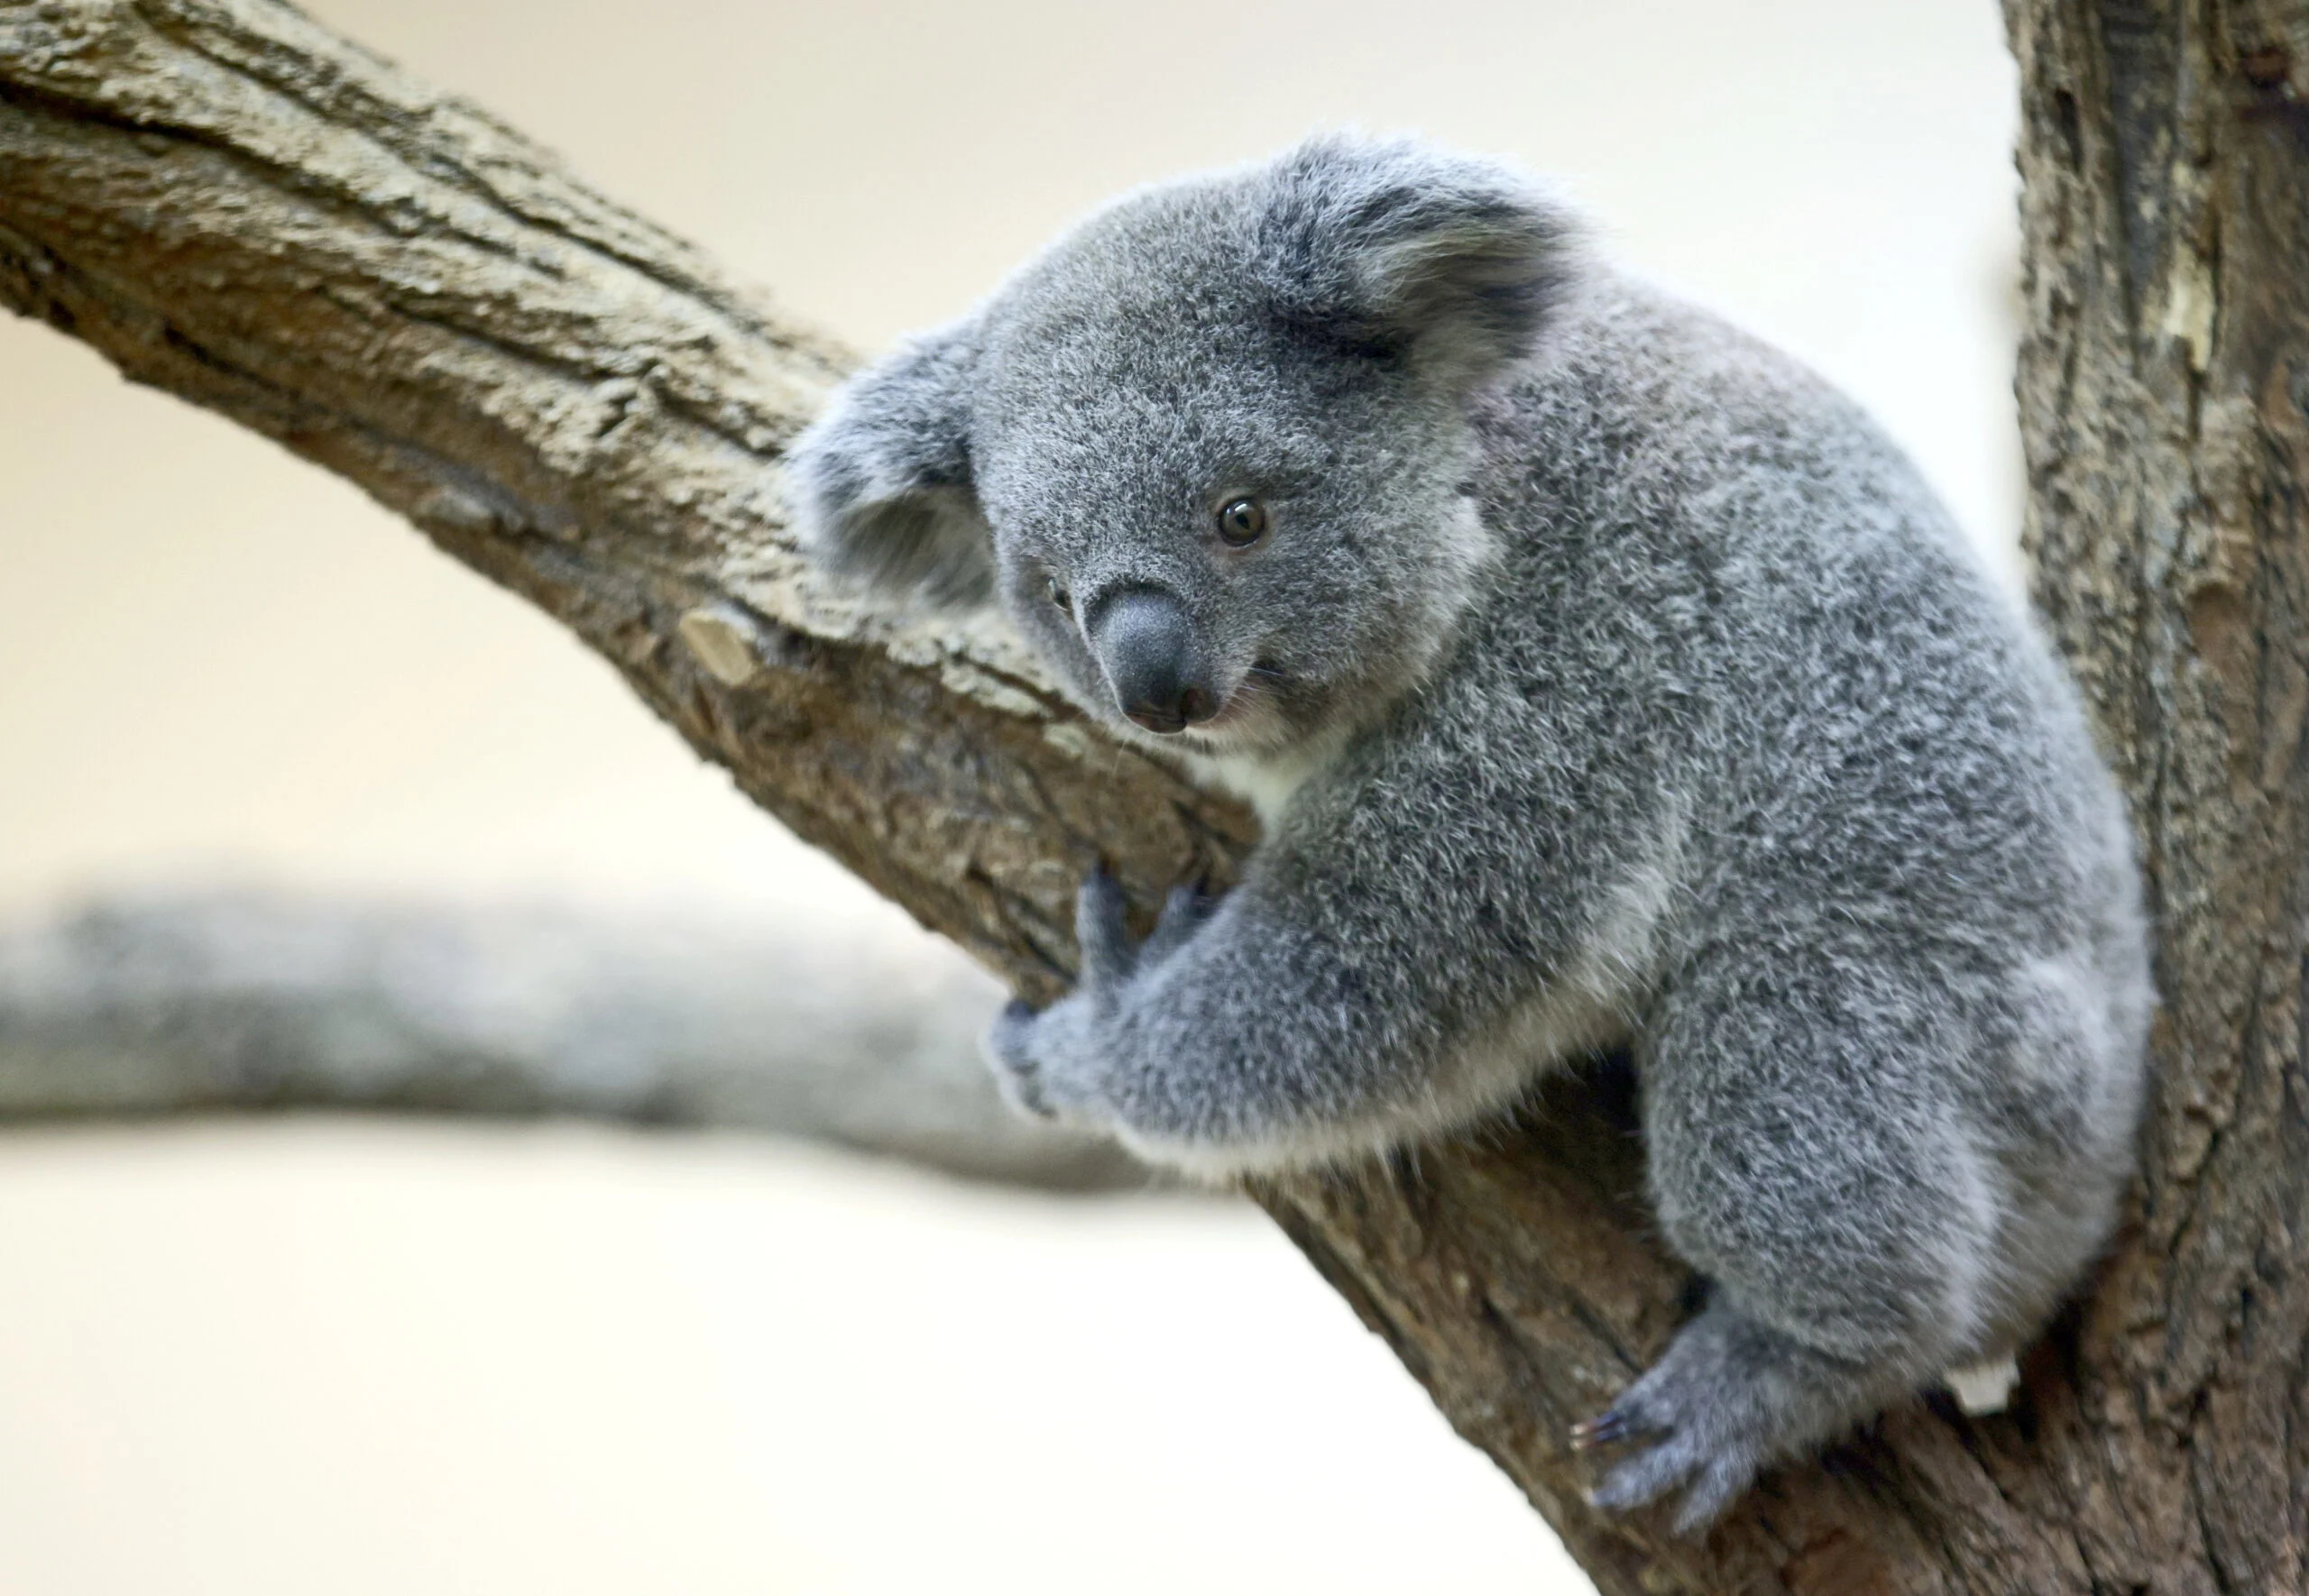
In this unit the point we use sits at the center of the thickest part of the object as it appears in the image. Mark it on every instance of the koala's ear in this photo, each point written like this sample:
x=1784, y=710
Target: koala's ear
x=1391, y=244
x=881, y=485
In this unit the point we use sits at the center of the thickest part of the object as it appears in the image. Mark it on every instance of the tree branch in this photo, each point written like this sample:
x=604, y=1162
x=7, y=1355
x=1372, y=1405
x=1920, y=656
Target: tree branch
x=242, y=1002
x=235, y=206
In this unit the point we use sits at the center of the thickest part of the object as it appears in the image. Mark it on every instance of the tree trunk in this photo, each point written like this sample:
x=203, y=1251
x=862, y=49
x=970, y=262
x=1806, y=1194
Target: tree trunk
x=235, y=205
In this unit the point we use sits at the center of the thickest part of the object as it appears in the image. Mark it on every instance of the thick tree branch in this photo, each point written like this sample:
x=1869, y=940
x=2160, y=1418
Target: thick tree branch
x=233, y=205
x=242, y=1002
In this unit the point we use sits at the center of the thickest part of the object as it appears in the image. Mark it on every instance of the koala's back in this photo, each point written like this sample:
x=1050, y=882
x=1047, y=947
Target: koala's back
x=1748, y=656
x=1703, y=535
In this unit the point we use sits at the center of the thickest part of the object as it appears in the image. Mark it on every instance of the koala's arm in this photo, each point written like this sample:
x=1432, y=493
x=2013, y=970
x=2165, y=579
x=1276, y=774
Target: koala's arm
x=1361, y=987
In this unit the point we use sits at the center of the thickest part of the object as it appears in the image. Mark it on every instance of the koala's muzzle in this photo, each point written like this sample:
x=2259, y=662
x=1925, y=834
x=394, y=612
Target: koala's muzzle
x=1146, y=641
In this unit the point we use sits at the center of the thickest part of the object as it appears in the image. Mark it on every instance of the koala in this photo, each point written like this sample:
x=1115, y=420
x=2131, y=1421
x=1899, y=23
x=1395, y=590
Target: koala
x=1603, y=679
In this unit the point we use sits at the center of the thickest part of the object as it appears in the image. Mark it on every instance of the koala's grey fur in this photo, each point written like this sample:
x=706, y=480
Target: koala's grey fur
x=1604, y=679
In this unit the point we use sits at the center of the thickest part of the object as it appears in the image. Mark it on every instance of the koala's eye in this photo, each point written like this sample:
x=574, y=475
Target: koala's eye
x=1242, y=522
x=1058, y=595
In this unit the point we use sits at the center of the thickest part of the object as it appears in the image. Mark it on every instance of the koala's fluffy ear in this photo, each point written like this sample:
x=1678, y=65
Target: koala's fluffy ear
x=1389, y=244
x=881, y=485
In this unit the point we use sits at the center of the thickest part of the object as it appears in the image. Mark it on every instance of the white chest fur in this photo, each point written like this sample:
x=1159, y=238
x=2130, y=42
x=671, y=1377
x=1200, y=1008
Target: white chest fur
x=1266, y=781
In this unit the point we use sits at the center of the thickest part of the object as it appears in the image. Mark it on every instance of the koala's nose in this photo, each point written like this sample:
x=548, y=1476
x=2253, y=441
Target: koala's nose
x=1146, y=641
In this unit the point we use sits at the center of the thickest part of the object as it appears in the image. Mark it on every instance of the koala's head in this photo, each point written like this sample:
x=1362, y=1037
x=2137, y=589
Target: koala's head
x=1209, y=451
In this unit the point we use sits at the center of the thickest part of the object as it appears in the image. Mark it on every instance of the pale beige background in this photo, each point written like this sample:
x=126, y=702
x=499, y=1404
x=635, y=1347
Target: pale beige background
x=396, y=1360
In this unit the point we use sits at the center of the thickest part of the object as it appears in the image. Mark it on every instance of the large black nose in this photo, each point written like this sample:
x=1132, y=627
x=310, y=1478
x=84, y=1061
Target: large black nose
x=1147, y=640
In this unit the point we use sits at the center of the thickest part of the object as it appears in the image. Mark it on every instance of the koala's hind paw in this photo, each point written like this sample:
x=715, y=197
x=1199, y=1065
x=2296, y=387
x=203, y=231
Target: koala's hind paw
x=1711, y=1472
x=1729, y=1396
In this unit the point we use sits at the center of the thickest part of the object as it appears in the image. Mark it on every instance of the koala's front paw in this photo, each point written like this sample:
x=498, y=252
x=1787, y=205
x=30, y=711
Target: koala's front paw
x=1033, y=1063
x=1110, y=960
x=1051, y=1063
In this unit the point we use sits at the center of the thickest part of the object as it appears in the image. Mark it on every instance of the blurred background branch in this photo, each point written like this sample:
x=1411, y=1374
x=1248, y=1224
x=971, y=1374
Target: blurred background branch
x=147, y=1006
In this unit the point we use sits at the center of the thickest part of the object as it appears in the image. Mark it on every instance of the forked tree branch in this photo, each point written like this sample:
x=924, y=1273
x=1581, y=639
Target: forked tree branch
x=235, y=205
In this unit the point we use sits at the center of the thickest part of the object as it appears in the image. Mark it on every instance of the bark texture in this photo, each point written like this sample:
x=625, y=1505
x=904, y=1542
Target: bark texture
x=261, y=1003
x=235, y=205
x=2164, y=404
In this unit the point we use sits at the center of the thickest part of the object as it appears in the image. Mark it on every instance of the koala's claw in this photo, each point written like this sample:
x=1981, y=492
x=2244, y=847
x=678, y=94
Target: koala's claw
x=1608, y=1428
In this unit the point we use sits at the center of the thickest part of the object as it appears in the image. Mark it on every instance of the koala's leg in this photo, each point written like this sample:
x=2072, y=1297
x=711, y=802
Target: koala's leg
x=1807, y=1154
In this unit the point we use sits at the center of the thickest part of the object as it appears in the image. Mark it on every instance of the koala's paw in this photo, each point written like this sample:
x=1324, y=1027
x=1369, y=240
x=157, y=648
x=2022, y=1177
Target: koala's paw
x=1728, y=1398
x=1110, y=960
x=1049, y=1063
x=1682, y=1450
x=1052, y=1064
x=1014, y=1047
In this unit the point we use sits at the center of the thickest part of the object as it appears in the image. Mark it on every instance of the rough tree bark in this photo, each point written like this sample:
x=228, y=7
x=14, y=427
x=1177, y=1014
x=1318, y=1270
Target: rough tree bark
x=238, y=206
